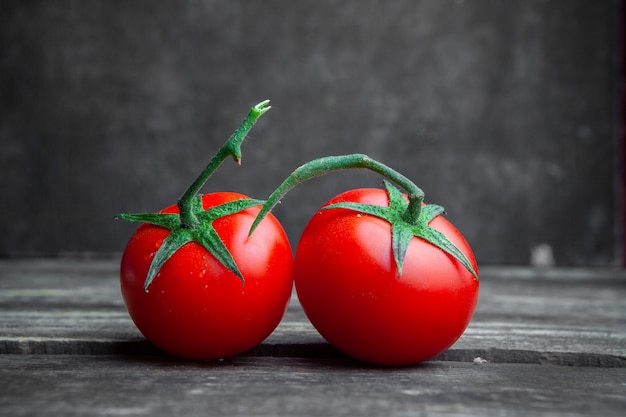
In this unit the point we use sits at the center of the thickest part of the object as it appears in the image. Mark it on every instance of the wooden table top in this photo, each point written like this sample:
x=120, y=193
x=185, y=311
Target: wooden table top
x=542, y=342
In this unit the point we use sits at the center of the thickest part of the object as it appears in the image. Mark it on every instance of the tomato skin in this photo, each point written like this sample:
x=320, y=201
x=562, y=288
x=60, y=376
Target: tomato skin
x=195, y=308
x=347, y=284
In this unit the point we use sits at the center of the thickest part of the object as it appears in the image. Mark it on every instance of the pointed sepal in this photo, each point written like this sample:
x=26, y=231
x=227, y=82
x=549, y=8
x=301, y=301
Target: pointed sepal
x=167, y=220
x=402, y=232
x=400, y=238
x=203, y=233
x=214, y=244
x=174, y=241
x=376, y=211
x=438, y=239
x=430, y=211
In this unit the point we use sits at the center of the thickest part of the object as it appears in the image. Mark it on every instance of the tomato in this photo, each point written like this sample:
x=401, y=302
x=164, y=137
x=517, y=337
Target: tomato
x=195, y=307
x=348, y=285
x=193, y=280
x=381, y=275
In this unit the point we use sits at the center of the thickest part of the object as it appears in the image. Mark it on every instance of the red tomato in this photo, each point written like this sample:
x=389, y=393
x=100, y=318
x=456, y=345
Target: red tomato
x=195, y=308
x=348, y=285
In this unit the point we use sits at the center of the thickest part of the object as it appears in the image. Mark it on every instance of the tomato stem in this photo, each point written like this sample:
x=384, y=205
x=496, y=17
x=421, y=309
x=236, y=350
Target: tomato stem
x=232, y=147
x=328, y=164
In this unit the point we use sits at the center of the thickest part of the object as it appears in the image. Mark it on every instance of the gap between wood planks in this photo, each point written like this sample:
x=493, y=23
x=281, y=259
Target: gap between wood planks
x=47, y=346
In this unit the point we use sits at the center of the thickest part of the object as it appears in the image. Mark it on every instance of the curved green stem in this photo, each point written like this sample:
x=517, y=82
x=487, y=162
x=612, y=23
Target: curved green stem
x=325, y=165
x=232, y=147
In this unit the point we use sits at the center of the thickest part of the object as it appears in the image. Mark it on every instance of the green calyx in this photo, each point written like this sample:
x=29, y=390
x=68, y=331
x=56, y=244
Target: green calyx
x=194, y=223
x=402, y=231
x=408, y=219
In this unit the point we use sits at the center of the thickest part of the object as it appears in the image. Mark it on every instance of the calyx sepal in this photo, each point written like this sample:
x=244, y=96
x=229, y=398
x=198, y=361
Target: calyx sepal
x=203, y=232
x=403, y=231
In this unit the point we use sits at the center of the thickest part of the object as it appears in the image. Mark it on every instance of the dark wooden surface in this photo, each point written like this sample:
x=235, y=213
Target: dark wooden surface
x=542, y=342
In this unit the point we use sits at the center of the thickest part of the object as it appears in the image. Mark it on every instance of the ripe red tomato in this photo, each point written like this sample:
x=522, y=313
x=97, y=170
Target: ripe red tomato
x=348, y=285
x=195, y=307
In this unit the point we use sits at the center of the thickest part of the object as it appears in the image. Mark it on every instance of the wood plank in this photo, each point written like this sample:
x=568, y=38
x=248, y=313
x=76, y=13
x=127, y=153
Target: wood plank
x=558, y=316
x=65, y=385
x=76, y=352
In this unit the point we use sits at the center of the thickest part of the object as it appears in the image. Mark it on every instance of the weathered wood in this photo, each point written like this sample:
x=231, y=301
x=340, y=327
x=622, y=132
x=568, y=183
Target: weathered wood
x=573, y=317
x=51, y=385
x=68, y=347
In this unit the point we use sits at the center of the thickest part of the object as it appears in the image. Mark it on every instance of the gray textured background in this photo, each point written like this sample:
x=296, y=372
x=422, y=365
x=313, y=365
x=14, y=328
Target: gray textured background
x=505, y=112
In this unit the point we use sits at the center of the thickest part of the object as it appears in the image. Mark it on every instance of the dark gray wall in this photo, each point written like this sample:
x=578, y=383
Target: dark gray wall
x=505, y=112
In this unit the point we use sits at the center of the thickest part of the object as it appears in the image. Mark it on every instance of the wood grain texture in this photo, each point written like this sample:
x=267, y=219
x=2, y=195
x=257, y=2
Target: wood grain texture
x=51, y=385
x=68, y=348
x=523, y=316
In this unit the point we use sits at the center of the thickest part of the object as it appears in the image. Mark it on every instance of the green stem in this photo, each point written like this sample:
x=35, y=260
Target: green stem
x=232, y=147
x=325, y=165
